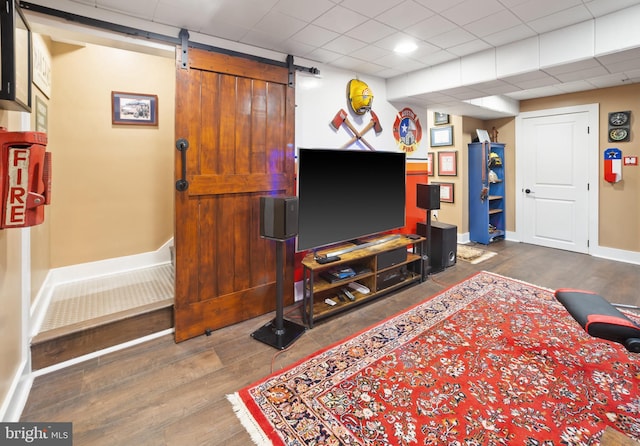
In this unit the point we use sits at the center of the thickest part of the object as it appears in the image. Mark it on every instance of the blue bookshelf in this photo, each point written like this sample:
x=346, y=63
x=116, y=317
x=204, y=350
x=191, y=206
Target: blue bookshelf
x=486, y=193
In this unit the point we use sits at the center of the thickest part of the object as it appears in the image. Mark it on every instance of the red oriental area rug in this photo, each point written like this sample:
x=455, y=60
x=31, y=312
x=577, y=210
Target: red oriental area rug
x=489, y=361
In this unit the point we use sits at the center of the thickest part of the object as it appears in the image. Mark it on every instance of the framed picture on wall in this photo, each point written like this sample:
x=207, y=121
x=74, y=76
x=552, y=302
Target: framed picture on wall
x=446, y=192
x=440, y=118
x=442, y=136
x=448, y=163
x=430, y=166
x=134, y=109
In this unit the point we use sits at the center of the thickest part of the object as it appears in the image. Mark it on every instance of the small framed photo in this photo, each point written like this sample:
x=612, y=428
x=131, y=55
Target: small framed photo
x=448, y=163
x=446, y=192
x=483, y=135
x=134, y=109
x=440, y=118
x=430, y=165
x=441, y=136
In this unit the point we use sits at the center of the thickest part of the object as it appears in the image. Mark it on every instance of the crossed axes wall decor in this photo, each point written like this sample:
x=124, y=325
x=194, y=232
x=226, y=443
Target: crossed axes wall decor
x=341, y=118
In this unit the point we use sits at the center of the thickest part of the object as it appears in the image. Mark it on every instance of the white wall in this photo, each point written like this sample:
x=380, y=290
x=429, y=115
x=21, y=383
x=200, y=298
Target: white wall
x=319, y=98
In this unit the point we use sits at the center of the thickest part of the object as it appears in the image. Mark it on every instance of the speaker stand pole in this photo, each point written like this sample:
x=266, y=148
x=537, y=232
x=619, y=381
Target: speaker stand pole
x=428, y=227
x=279, y=333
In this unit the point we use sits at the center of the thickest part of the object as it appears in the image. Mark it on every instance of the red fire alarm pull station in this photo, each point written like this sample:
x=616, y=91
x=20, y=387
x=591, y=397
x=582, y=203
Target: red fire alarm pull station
x=25, y=178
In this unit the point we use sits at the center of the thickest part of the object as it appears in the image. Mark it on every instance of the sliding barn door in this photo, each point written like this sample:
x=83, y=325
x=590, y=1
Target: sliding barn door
x=236, y=118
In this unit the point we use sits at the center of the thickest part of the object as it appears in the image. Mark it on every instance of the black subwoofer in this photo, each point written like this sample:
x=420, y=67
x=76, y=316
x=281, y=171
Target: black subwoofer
x=444, y=244
x=278, y=217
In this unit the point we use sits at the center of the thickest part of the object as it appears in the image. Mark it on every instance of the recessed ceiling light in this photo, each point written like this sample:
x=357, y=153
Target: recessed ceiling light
x=405, y=47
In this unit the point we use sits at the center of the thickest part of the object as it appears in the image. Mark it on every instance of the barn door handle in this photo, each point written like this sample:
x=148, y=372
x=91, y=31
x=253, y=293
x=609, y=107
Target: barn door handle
x=182, y=145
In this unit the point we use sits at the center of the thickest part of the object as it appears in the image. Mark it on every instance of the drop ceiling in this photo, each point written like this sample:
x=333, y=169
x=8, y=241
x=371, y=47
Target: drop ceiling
x=467, y=50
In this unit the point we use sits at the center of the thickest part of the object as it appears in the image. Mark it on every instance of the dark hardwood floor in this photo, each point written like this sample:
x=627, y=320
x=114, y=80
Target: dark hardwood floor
x=162, y=393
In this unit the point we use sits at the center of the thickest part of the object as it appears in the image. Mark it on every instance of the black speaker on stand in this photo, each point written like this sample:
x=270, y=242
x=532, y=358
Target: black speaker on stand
x=428, y=197
x=279, y=222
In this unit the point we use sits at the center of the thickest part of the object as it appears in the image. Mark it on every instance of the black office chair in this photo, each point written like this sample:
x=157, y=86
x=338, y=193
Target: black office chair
x=600, y=318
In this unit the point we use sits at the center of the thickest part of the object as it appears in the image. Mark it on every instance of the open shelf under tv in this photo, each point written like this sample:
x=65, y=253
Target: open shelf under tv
x=379, y=264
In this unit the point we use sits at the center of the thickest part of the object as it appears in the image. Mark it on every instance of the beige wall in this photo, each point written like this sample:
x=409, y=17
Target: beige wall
x=112, y=184
x=112, y=192
x=464, y=129
x=40, y=234
x=619, y=204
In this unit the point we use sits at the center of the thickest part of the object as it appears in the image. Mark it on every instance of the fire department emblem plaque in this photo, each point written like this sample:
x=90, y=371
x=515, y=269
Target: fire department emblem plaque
x=407, y=130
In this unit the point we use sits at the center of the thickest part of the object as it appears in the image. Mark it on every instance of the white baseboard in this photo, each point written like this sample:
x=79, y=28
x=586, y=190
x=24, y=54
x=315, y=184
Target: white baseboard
x=14, y=403
x=106, y=267
x=616, y=254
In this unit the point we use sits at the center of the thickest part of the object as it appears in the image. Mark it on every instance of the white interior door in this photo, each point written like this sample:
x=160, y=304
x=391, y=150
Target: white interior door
x=553, y=159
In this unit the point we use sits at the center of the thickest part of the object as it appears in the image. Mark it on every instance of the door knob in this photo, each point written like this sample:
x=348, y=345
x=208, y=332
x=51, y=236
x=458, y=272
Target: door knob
x=527, y=191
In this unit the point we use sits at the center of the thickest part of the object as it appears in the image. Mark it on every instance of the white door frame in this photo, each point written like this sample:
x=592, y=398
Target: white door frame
x=593, y=154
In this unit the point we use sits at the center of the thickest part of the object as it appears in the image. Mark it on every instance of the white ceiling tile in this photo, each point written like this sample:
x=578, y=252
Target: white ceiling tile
x=347, y=63
x=314, y=35
x=370, y=8
x=534, y=93
x=624, y=65
x=573, y=76
x=583, y=65
x=406, y=63
x=142, y=8
x=224, y=29
x=437, y=58
x=572, y=87
x=292, y=47
x=387, y=73
x=439, y=5
x=344, y=45
x=426, y=50
x=323, y=55
x=307, y=11
x=542, y=81
x=279, y=25
x=369, y=52
x=452, y=38
x=430, y=27
x=340, y=19
x=536, y=9
x=405, y=14
x=472, y=10
x=391, y=41
x=227, y=12
x=492, y=24
x=471, y=47
x=370, y=31
x=496, y=87
x=261, y=39
x=515, y=34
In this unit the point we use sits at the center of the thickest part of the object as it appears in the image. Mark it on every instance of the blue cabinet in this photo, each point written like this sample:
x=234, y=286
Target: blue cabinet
x=486, y=192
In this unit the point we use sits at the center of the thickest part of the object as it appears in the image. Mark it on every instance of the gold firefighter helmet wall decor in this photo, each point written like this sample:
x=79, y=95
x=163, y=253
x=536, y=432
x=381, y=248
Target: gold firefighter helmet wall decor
x=360, y=96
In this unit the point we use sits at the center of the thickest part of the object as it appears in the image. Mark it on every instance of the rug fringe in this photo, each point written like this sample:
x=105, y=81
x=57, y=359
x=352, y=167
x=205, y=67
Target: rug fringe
x=248, y=422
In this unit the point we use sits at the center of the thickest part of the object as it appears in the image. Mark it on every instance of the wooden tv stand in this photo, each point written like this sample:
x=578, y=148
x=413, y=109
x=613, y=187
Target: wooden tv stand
x=378, y=266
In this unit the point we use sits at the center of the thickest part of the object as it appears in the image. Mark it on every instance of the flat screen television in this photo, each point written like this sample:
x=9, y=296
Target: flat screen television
x=344, y=195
